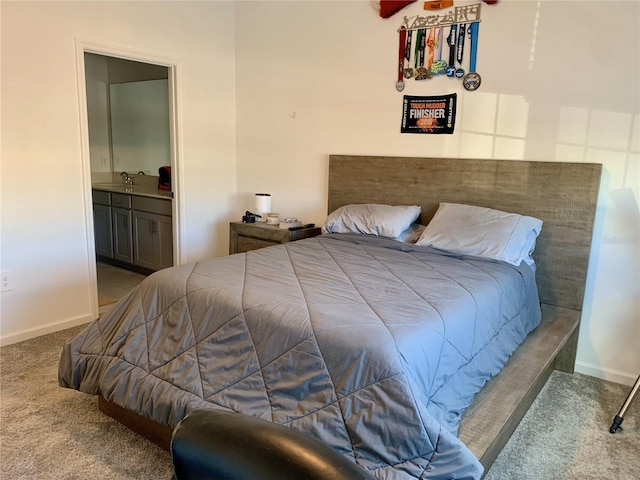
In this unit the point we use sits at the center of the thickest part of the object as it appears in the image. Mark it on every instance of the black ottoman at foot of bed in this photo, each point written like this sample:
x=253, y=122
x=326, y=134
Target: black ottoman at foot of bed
x=218, y=445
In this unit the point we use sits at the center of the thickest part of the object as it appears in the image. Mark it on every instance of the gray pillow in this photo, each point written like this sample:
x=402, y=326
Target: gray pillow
x=411, y=234
x=372, y=219
x=482, y=232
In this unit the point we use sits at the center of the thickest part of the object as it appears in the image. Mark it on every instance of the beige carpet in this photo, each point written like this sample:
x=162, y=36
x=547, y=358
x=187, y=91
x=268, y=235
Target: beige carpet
x=51, y=433
x=565, y=434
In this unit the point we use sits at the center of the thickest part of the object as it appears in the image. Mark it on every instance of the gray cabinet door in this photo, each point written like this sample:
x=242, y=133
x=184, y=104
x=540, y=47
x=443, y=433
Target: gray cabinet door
x=103, y=230
x=122, y=237
x=153, y=240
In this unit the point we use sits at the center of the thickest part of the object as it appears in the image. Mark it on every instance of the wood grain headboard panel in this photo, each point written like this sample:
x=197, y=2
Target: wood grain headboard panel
x=562, y=195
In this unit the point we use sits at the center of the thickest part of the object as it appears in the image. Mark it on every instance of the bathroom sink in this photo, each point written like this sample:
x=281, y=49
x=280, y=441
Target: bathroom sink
x=109, y=185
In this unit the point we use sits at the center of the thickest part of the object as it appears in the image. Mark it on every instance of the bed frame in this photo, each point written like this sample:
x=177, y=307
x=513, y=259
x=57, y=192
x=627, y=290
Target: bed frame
x=562, y=195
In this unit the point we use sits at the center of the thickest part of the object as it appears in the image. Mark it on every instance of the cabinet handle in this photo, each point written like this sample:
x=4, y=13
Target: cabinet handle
x=154, y=226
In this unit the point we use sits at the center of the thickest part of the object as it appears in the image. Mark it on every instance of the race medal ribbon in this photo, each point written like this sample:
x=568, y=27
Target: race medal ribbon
x=431, y=40
x=403, y=40
x=408, y=71
x=472, y=80
x=416, y=52
x=439, y=67
x=451, y=40
x=460, y=50
x=422, y=72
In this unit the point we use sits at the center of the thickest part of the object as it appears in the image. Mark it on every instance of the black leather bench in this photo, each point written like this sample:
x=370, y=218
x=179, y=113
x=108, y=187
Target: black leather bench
x=219, y=445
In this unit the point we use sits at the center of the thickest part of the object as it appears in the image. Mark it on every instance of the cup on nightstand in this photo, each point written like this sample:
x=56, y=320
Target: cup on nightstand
x=273, y=218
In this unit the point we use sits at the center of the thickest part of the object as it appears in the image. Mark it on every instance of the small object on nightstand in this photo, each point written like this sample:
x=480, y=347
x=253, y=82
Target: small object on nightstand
x=273, y=218
x=263, y=204
x=249, y=217
x=290, y=222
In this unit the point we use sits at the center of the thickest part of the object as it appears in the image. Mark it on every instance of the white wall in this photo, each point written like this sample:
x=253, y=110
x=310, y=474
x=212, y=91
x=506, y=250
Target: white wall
x=44, y=240
x=560, y=82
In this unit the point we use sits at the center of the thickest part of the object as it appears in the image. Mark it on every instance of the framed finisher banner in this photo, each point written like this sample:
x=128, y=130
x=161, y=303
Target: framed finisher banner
x=428, y=114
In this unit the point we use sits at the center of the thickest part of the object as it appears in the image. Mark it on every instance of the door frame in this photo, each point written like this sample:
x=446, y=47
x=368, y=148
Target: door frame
x=175, y=134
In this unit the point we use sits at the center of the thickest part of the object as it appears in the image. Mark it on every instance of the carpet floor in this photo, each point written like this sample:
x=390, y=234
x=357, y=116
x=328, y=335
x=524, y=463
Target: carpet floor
x=565, y=434
x=52, y=433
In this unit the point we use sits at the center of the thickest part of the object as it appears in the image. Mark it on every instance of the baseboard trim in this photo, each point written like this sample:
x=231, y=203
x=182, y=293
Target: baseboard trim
x=608, y=374
x=44, y=330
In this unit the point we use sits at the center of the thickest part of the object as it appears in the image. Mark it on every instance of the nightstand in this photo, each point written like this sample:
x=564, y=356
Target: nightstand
x=251, y=236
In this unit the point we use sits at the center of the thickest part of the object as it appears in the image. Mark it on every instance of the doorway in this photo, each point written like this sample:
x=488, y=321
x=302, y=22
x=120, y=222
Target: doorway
x=108, y=75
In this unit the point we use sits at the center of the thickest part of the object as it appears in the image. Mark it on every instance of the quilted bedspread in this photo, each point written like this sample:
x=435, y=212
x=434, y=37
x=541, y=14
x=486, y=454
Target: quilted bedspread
x=374, y=347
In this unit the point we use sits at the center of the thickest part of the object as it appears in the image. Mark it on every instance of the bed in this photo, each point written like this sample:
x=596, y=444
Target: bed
x=376, y=347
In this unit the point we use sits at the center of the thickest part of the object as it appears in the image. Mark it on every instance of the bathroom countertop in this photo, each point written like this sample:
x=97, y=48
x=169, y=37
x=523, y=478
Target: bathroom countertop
x=142, y=190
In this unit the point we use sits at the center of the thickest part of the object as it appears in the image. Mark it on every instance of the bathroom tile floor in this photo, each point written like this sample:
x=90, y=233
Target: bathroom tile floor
x=114, y=283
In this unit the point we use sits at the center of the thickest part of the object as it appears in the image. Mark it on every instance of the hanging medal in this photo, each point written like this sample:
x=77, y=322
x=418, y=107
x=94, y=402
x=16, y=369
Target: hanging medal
x=451, y=40
x=439, y=66
x=431, y=43
x=403, y=40
x=408, y=71
x=472, y=80
x=460, y=50
x=422, y=73
x=416, y=53
x=422, y=41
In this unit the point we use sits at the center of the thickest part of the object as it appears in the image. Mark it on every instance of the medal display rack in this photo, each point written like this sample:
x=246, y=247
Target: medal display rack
x=421, y=41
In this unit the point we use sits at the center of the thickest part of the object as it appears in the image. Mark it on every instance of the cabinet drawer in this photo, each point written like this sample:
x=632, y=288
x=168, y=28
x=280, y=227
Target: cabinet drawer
x=152, y=205
x=251, y=236
x=121, y=200
x=101, y=198
x=246, y=244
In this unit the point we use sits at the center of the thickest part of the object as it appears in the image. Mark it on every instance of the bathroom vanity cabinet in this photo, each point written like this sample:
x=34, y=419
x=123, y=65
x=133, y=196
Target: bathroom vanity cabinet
x=152, y=233
x=133, y=229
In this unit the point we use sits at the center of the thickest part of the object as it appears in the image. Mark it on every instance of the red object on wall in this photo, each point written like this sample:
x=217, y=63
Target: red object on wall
x=389, y=7
x=490, y=2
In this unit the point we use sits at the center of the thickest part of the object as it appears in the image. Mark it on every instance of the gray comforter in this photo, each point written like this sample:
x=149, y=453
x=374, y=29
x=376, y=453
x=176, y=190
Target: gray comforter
x=374, y=347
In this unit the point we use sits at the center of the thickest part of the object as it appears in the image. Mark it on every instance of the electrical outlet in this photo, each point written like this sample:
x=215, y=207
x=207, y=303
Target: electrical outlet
x=6, y=283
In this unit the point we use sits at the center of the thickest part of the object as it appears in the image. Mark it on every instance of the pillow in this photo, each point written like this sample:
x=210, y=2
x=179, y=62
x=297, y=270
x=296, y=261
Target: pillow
x=482, y=232
x=373, y=219
x=411, y=234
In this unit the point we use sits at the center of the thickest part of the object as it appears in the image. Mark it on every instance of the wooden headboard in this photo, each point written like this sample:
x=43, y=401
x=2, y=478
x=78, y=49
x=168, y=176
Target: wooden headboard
x=562, y=195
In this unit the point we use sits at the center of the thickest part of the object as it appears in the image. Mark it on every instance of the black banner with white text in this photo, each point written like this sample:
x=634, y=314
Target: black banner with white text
x=428, y=114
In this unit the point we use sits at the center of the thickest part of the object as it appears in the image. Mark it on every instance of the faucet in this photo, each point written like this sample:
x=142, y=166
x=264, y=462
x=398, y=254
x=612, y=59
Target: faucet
x=127, y=179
